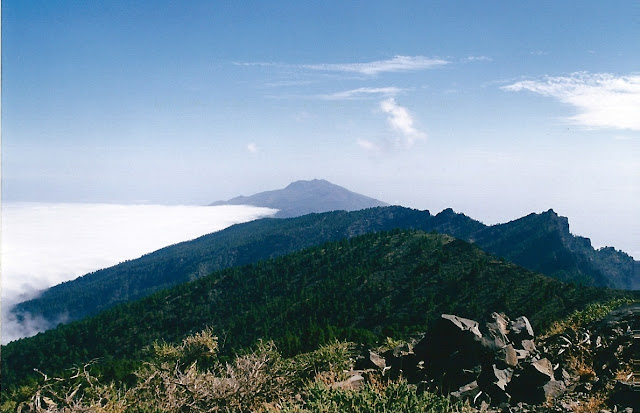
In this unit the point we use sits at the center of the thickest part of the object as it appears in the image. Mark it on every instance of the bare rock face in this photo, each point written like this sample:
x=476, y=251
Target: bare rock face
x=493, y=381
x=598, y=358
x=376, y=361
x=354, y=382
x=507, y=355
x=529, y=383
x=453, y=351
x=497, y=331
x=521, y=329
x=403, y=362
x=500, y=363
x=497, y=359
x=467, y=392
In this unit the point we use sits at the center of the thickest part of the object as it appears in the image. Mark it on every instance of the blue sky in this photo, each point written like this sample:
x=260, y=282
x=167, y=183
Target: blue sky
x=496, y=109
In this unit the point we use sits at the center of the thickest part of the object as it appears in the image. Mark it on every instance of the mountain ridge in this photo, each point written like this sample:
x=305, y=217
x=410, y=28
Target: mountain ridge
x=538, y=242
x=568, y=257
x=305, y=197
x=388, y=283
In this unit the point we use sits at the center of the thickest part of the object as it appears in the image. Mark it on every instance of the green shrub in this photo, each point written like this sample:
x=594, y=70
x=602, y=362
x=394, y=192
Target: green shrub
x=579, y=318
x=333, y=357
x=393, y=397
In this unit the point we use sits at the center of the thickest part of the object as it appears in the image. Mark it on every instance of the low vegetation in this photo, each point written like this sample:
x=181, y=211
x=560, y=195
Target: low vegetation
x=189, y=377
x=387, y=284
x=392, y=396
x=589, y=314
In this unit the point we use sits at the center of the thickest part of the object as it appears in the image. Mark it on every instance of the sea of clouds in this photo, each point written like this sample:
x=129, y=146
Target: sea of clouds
x=44, y=244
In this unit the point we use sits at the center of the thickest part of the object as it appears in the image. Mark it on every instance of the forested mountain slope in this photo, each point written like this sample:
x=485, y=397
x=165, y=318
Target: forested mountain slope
x=237, y=245
x=383, y=284
x=543, y=243
x=538, y=242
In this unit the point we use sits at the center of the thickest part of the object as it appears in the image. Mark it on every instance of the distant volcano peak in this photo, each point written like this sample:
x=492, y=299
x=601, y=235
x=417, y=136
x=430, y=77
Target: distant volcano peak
x=305, y=197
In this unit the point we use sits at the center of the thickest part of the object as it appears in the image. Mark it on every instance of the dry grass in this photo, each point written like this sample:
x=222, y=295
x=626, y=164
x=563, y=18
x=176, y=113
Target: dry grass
x=578, y=319
x=189, y=377
x=249, y=383
x=81, y=392
x=624, y=374
x=329, y=378
x=593, y=404
x=583, y=368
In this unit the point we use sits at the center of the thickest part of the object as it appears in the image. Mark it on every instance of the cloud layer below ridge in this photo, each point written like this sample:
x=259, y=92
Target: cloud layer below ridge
x=46, y=244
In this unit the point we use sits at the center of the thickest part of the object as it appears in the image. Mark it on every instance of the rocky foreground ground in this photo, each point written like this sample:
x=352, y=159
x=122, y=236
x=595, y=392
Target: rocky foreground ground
x=501, y=366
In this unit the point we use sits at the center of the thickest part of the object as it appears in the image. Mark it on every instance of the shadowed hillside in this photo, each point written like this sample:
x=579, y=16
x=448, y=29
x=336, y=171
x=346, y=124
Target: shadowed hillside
x=538, y=242
x=543, y=243
x=372, y=286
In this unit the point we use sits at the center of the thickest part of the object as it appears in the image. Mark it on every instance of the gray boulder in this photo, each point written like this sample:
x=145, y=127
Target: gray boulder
x=520, y=329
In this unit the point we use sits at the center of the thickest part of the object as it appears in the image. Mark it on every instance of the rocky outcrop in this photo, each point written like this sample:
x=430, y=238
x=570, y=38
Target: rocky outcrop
x=500, y=363
x=498, y=359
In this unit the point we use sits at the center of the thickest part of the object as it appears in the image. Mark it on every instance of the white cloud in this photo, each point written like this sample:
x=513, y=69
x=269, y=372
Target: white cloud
x=46, y=244
x=401, y=121
x=368, y=146
x=479, y=59
x=264, y=64
x=397, y=64
x=288, y=83
x=603, y=100
x=252, y=147
x=363, y=91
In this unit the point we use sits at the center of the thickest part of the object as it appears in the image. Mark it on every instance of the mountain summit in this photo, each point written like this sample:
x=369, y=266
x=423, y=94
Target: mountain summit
x=304, y=197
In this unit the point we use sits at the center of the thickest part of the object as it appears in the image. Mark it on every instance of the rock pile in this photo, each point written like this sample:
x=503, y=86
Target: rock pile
x=499, y=363
x=496, y=362
x=599, y=358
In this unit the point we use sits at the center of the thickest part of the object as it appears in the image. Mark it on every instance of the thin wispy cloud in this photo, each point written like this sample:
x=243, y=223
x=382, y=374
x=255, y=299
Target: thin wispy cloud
x=369, y=146
x=479, y=59
x=252, y=147
x=362, y=92
x=263, y=64
x=288, y=83
x=396, y=64
x=401, y=121
x=602, y=100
